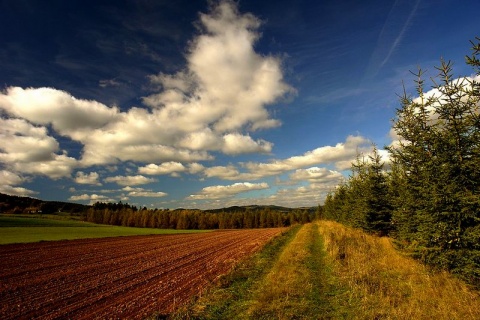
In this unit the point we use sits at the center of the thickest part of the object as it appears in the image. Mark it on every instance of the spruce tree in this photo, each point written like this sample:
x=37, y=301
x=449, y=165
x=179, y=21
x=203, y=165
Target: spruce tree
x=437, y=164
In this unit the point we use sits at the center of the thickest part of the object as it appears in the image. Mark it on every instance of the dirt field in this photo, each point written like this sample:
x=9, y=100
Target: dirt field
x=126, y=277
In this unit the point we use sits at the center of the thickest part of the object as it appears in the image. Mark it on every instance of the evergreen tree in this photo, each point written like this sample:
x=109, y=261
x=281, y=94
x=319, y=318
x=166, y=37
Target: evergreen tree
x=377, y=202
x=437, y=162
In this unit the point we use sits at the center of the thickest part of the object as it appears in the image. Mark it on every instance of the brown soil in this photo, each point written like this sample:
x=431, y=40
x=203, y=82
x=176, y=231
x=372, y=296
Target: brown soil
x=117, y=278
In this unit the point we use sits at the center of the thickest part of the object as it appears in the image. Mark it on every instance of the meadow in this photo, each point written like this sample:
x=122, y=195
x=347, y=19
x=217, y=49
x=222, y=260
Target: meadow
x=35, y=228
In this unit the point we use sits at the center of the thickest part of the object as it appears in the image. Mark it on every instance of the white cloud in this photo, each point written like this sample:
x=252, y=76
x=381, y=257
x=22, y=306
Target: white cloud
x=46, y=105
x=129, y=189
x=342, y=155
x=90, y=178
x=29, y=149
x=316, y=175
x=204, y=139
x=94, y=197
x=149, y=194
x=310, y=195
x=10, y=178
x=194, y=168
x=16, y=191
x=220, y=192
x=8, y=181
x=59, y=167
x=436, y=95
x=141, y=192
x=130, y=180
x=222, y=91
x=235, y=143
x=226, y=84
x=222, y=172
x=22, y=142
x=164, y=168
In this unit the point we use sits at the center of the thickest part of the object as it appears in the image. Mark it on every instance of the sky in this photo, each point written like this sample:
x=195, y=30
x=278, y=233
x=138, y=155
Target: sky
x=209, y=104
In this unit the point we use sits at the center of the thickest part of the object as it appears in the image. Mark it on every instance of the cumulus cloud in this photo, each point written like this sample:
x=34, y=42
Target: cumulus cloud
x=141, y=192
x=310, y=195
x=194, y=168
x=223, y=89
x=221, y=94
x=130, y=180
x=220, y=192
x=316, y=175
x=26, y=148
x=164, y=168
x=16, y=191
x=10, y=178
x=222, y=172
x=337, y=154
x=342, y=155
x=8, y=182
x=235, y=143
x=93, y=197
x=90, y=178
x=226, y=83
x=296, y=196
x=148, y=194
x=51, y=106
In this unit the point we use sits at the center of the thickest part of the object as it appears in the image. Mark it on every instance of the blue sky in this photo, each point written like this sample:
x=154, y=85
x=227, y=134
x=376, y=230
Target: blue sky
x=200, y=104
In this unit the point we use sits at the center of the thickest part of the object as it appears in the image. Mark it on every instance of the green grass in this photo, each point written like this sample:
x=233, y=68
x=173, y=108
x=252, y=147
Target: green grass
x=325, y=270
x=228, y=299
x=22, y=229
x=24, y=221
x=291, y=278
x=299, y=285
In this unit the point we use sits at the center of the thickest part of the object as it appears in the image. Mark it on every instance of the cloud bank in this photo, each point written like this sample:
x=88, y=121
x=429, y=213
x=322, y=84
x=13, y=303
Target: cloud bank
x=207, y=107
x=216, y=106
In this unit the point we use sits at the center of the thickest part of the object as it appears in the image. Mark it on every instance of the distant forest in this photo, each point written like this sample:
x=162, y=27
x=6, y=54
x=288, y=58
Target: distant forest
x=228, y=218
x=428, y=198
x=17, y=205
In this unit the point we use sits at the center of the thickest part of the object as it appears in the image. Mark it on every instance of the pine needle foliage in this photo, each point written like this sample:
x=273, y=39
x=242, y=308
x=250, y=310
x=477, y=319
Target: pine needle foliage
x=430, y=198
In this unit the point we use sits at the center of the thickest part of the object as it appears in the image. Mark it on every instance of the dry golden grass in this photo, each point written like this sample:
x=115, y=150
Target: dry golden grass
x=284, y=293
x=384, y=284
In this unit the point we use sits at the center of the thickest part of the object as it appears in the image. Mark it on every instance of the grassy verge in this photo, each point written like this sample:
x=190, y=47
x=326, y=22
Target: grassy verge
x=288, y=279
x=298, y=286
x=384, y=284
x=328, y=271
x=27, y=229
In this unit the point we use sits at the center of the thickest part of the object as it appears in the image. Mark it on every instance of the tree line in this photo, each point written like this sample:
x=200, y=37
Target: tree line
x=428, y=196
x=126, y=215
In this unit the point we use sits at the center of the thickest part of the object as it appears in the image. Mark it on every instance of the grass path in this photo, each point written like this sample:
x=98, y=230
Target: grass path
x=297, y=286
x=325, y=270
x=287, y=280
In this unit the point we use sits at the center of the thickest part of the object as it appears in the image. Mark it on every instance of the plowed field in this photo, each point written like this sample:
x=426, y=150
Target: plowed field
x=126, y=277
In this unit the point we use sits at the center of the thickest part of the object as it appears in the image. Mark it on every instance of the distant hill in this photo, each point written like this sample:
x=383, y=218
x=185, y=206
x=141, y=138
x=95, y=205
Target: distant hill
x=259, y=208
x=17, y=205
